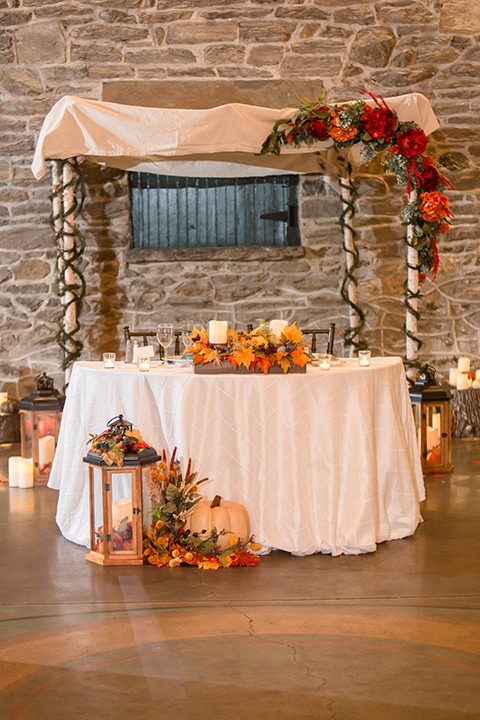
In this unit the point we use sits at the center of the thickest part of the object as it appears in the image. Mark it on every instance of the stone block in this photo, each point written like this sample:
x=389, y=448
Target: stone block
x=153, y=17
x=354, y=15
x=170, y=56
x=266, y=32
x=221, y=54
x=21, y=81
x=459, y=16
x=405, y=78
x=16, y=144
x=312, y=65
x=405, y=12
x=199, y=33
x=7, y=54
x=61, y=10
x=235, y=13
x=234, y=71
x=266, y=55
x=302, y=12
x=96, y=53
x=31, y=270
x=14, y=18
x=41, y=44
x=109, y=33
x=373, y=46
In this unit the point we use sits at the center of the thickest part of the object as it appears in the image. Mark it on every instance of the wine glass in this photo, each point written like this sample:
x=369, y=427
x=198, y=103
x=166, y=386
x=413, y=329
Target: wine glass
x=165, y=338
x=187, y=330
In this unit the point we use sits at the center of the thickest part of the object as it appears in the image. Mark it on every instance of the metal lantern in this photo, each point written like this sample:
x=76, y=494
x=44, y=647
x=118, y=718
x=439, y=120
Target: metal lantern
x=40, y=415
x=431, y=410
x=116, y=520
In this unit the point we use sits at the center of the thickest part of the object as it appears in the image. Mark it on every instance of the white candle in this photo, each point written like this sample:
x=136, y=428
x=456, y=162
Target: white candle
x=437, y=421
x=463, y=364
x=108, y=361
x=462, y=381
x=476, y=384
x=46, y=450
x=3, y=397
x=452, y=377
x=121, y=509
x=25, y=474
x=13, y=471
x=433, y=438
x=278, y=326
x=217, y=332
x=477, y=375
x=324, y=361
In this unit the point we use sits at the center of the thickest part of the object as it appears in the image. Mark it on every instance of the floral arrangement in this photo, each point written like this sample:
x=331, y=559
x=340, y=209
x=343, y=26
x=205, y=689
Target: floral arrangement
x=169, y=542
x=259, y=349
x=112, y=444
x=379, y=129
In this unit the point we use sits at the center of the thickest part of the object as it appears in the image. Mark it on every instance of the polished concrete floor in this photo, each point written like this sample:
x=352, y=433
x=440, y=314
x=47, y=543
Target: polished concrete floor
x=393, y=635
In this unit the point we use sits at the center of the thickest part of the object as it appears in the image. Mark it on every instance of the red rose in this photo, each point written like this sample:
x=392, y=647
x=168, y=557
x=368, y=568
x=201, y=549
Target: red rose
x=411, y=143
x=317, y=129
x=429, y=179
x=379, y=123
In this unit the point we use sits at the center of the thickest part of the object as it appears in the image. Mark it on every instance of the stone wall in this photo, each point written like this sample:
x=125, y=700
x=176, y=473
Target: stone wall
x=86, y=47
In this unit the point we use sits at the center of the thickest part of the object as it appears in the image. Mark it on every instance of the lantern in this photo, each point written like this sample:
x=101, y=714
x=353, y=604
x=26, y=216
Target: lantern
x=116, y=524
x=40, y=415
x=431, y=410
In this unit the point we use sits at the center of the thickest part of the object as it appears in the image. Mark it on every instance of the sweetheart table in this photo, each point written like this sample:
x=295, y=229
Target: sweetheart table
x=325, y=461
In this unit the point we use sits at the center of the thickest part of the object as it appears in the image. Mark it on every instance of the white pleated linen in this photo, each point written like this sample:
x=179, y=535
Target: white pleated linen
x=324, y=462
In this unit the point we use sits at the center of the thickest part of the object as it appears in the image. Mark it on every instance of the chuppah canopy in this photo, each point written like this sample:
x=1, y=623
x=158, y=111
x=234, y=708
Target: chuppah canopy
x=219, y=142
x=223, y=141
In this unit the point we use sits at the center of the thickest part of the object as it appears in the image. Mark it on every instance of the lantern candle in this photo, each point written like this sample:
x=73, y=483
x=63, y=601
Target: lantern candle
x=3, y=397
x=121, y=509
x=463, y=365
x=437, y=421
x=452, y=377
x=46, y=451
x=217, y=332
x=25, y=473
x=277, y=327
x=463, y=382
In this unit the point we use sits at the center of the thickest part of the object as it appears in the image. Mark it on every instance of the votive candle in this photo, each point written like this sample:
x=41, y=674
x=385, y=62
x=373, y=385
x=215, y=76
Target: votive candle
x=364, y=358
x=144, y=364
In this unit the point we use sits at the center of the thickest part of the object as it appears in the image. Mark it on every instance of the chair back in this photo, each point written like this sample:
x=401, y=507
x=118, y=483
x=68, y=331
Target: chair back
x=330, y=332
x=145, y=334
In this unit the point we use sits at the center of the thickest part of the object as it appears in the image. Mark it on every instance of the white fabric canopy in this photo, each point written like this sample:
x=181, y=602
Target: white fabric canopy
x=221, y=141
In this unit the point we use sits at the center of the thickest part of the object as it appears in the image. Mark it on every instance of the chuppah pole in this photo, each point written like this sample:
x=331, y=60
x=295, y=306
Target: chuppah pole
x=411, y=299
x=68, y=245
x=349, y=288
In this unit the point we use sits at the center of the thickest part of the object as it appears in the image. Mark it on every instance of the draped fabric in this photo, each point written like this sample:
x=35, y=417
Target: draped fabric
x=324, y=462
x=224, y=141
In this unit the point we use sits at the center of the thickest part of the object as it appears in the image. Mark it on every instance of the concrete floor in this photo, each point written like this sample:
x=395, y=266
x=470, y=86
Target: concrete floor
x=393, y=635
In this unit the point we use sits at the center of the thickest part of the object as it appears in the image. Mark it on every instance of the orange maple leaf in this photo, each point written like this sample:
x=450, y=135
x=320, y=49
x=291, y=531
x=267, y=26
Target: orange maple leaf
x=293, y=333
x=284, y=363
x=299, y=357
x=243, y=356
x=264, y=364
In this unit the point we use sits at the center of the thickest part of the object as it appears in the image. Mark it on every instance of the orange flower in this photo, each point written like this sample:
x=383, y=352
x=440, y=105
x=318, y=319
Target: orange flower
x=244, y=558
x=434, y=206
x=340, y=132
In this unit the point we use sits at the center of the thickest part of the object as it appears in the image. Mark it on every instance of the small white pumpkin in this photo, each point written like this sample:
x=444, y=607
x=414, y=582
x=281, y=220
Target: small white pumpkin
x=222, y=515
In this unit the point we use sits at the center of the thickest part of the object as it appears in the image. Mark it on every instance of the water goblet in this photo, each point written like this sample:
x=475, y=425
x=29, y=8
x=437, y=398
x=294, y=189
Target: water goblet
x=187, y=331
x=165, y=338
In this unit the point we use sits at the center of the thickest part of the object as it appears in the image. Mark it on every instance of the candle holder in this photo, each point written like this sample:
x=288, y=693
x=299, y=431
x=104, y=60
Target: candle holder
x=324, y=361
x=40, y=415
x=364, y=357
x=144, y=364
x=108, y=361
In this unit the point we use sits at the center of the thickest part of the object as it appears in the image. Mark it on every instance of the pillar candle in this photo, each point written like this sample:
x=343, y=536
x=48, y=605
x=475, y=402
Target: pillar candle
x=121, y=509
x=217, y=332
x=278, y=326
x=13, y=471
x=463, y=364
x=46, y=450
x=25, y=475
x=462, y=381
x=477, y=375
x=3, y=397
x=437, y=421
x=452, y=378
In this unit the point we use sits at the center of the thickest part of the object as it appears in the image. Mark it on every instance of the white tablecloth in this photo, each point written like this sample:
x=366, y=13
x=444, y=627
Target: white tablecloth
x=324, y=462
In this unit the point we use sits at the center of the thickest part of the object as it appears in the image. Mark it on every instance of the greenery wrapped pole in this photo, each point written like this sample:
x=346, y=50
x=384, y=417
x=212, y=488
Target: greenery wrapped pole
x=352, y=261
x=67, y=200
x=412, y=294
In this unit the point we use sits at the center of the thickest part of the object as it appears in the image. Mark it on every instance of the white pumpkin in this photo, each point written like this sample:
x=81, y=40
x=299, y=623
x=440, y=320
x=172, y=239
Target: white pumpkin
x=222, y=515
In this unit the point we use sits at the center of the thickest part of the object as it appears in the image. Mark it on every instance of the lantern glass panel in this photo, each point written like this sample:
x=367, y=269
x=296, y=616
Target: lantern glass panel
x=27, y=448
x=434, y=434
x=122, y=513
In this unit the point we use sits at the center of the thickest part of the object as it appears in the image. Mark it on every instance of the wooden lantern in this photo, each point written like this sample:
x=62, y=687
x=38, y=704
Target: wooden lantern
x=116, y=518
x=432, y=412
x=40, y=415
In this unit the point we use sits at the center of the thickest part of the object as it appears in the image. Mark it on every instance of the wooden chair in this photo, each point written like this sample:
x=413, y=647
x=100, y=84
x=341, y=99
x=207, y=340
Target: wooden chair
x=330, y=339
x=146, y=334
